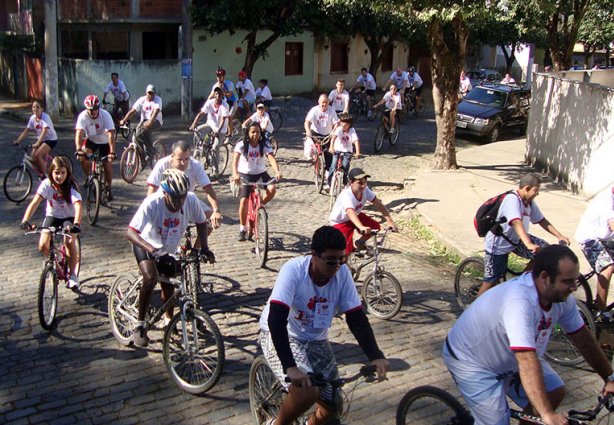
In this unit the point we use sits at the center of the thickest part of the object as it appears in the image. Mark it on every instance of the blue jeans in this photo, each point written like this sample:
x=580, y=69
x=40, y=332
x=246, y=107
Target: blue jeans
x=346, y=157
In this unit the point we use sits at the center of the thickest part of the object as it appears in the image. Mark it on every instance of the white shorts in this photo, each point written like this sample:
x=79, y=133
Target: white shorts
x=485, y=391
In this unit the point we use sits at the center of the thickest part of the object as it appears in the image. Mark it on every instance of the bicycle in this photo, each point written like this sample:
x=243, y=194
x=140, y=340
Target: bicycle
x=435, y=406
x=17, y=183
x=96, y=187
x=337, y=182
x=381, y=291
x=203, y=152
x=359, y=105
x=319, y=163
x=193, y=348
x=258, y=220
x=409, y=106
x=384, y=133
x=276, y=117
x=125, y=130
x=266, y=393
x=135, y=156
x=55, y=270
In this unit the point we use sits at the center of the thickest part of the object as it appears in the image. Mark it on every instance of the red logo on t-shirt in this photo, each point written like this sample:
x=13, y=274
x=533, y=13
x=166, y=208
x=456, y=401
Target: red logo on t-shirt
x=171, y=222
x=544, y=324
x=311, y=305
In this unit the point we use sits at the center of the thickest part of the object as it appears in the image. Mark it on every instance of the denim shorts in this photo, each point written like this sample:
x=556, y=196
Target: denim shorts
x=495, y=265
x=599, y=254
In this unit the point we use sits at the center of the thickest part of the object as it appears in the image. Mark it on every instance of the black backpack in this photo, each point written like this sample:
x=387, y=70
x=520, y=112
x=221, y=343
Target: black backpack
x=485, y=219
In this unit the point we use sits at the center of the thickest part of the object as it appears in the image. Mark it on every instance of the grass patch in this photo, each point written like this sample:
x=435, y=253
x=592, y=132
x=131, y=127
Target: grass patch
x=436, y=250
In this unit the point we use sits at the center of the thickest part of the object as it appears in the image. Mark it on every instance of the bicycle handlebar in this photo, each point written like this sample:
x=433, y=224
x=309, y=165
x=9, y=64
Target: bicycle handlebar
x=259, y=183
x=54, y=230
x=317, y=379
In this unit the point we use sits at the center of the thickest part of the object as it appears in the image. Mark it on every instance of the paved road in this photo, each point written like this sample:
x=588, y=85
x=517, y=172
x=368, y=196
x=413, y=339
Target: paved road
x=79, y=374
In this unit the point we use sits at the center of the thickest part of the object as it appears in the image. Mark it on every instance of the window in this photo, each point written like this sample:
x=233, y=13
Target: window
x=387, y=55
x=110, y=45
x=294, y=58
x=74, y=44
x=160, y=45
x=339, y=58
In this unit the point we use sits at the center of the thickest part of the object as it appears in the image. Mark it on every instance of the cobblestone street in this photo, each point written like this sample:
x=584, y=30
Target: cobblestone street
x=78, y=373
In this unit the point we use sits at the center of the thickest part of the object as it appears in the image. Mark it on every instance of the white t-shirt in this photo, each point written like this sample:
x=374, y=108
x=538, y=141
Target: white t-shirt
x=392, y=101
x=248, y=89
x=344, y=142
x=96, y=129
x=37, y=125
x=368, y=82
x=119, y=91
x=322, y=122
x=160, y=227
x=264, y=121
x=195, y=172
x=254, y=163
x=264, y=93
x=465, y=84
x=56, y=205
x=216, y=114
x=339, y=101
x=312, y=307
x=512, y=208
x=506, y=319
x=414, y=79
x=399, y=80
x=594, y=222
x=146, y=108
x=346, y=200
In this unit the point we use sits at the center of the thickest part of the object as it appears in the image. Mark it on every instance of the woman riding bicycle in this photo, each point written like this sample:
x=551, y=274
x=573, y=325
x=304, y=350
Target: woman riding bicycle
x=248, y=165
x=344, y=139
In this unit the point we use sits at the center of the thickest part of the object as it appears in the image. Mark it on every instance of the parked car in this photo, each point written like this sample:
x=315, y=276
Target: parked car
x=481, y=76
x=490, y=108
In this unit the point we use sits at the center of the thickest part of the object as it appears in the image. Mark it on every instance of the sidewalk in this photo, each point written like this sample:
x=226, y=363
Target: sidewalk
x=448, y=200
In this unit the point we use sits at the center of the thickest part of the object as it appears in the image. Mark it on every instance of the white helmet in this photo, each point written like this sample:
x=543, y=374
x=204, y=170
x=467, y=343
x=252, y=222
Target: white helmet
x=175, y=183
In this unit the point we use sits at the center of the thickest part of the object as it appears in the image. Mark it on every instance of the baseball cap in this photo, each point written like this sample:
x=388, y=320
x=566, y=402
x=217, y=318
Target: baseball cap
x=242, y=73
x=150, y=89
x=357, y=174
x=260, y=105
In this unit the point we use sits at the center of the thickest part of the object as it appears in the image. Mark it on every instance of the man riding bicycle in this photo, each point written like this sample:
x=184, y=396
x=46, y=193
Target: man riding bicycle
x=309, y=291
x=120, y=96
x=393, y=103
x=496, y=347
x=366, y=82
x=155, y=232
x=320, y=121
x=150, y=108
x=414, y=82
x=340, y=98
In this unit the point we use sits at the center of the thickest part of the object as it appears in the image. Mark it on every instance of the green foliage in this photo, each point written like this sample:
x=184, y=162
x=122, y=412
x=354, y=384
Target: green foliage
x=19, y=42
x=597, y=28
x=435, y=249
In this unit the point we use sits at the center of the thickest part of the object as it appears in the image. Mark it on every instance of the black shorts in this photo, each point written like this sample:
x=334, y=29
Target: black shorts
x=166, y=265
x=370, y=92
x=419, y=91
x=103, y=150
x=252, y=178
x=50, y=143
x=58, y=223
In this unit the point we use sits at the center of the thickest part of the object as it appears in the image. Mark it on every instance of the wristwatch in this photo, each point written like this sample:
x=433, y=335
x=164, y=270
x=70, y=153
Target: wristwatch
x=216, y=210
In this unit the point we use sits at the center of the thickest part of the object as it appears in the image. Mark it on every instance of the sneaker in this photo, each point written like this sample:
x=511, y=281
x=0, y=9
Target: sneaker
x=73, y=282
x=369, y=114
x=109, y=195
x=250, y=236
x=140, y=338
x=270, y=421
x=604, y=318
x=391, y=131
x=242, y=237
x=165, y=320
x=326, y=186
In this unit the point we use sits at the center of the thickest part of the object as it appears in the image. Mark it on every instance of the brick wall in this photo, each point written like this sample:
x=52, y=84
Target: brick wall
x=107, y=9
x=160, y=8
x=71, y=9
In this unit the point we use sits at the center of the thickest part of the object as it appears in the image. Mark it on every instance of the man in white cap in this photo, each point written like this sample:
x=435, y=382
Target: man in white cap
x=150, y=108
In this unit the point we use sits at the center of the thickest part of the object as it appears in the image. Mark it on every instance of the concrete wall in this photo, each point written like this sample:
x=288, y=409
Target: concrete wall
x=570, y=134
x=78, y=78
x=13, y=74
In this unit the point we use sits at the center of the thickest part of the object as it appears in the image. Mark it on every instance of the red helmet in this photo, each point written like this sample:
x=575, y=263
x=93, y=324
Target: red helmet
x=91, y=102
x=220, y=71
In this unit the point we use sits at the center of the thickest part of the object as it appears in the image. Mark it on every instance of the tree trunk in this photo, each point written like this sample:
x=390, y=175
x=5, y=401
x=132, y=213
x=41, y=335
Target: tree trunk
x=376, y=46
x=255, y=50
x=509, y=57
x=447, y=58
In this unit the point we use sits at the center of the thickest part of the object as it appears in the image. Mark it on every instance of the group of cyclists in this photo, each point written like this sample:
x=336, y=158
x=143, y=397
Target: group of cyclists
x=500, y=339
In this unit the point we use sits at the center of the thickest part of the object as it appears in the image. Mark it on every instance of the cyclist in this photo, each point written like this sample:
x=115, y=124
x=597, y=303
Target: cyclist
x=465, y=85
x=150, y=108
x=263, y=93
x=347, y=214
x=414, y=82
x=46, y=137
x=120, y=94
x=247, y=95
x=228, y=89
x=63, y=211
x=595, y=233
x=309, y=291
x=496, y=347
x=517, y=210
x=181, y=159
x=399, y=79
x=392, y=101
x=340, y=98
x=262, y=117
x=366, y=82
x=218, y=117
x=95, y=133
x=155, y=232
x=320, y=122
x=248, y=165
x=344, y=139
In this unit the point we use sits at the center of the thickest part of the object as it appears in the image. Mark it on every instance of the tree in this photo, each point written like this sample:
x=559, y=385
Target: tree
x=280, y=17
x=597, y=28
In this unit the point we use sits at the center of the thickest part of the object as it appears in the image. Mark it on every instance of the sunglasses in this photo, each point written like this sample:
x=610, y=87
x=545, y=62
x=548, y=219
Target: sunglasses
x=95, y=108
x=334, y=261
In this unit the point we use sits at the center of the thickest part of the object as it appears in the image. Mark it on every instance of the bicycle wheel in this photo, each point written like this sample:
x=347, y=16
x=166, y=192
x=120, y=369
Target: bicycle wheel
x=431, y=406
x=47, y=297
x=17, y=183
x=78, y=246
x=160, y=152
x=274, y=144
x=126, y=130
x=560, y=349
x=335, y=188
x=129, y=164
x=354, y=109
x=276, y=119
x=419, y=110
x=265, y=391
x=222, y=160
x=403, y=114
x=92, y=201
x=382, y=294
x=380, y=134
x=123, y=307
x=393, y=138
x=319, y=171
x=262, y=237
x=197, y=367
x=375, y=114
x=468, y=280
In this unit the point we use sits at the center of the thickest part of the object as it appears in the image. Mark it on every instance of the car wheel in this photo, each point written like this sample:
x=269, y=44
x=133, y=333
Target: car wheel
x=493, y=135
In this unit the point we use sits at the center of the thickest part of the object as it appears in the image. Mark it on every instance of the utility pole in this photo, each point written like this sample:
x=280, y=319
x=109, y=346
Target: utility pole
x=186, y=63
x=51, y=59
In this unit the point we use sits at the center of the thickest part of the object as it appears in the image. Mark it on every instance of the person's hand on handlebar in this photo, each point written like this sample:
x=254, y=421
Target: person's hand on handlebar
x=298, y=378
x=393, y=227
x=207, y=255
x=608, y=389
x=365, y=231
x=278, y=176
x=79, y=153
x=111, y=157
x=564, y=241
x=381, y=367
x=76, y=228
x=25, y=225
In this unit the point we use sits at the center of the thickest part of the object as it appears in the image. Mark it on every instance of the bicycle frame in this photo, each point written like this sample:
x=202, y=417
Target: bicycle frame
x=57, y=256
x=377, y=240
